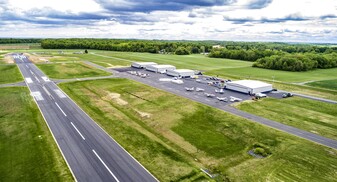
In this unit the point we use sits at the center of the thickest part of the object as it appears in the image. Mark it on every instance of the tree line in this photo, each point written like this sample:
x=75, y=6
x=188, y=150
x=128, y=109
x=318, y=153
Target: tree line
x=18, y=41
x=150, y=46
x=298, y=62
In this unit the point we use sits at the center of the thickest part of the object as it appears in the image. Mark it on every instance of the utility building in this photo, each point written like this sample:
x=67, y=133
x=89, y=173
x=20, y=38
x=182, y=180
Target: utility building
x=160, y=68
x=249, y=86
x=183, y=73
x=142, y=64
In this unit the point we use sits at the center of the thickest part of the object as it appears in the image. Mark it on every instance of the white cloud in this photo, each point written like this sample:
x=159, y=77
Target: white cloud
x=277, y=20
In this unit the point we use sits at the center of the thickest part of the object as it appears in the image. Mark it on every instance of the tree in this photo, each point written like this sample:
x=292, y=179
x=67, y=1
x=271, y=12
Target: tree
x=181, y=51
x=86, y=51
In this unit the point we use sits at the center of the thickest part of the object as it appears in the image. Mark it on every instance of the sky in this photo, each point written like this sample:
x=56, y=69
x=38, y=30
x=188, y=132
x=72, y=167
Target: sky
x=229, y=20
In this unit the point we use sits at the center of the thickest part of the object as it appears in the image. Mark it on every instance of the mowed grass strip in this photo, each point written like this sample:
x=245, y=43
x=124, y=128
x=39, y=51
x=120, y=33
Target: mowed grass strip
x=27, y=149
x=327, y=84
x=173, y=136
x=9, y=74
x=70, y=70
x=313, y=116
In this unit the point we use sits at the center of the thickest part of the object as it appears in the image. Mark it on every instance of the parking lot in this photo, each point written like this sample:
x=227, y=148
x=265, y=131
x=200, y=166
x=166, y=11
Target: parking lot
x=202, y=91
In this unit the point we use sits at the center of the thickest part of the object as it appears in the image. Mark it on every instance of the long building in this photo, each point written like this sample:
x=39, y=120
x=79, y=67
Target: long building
x=183, y=73
x=249, y=86
x=160, y=68
x=142, y=64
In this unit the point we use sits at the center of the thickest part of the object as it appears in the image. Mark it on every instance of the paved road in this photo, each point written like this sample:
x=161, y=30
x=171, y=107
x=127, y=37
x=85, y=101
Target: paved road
x=81, y=79
x=18, y=84
x=91, y=154
x=316, y=98
x=153, y=80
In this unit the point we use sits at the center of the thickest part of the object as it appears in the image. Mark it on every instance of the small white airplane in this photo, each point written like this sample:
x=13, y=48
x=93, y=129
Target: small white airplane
x=209, y=95
x=189, y=89
x=234, y=99
x=222, y=99
x=221, y=91
x=199, y=89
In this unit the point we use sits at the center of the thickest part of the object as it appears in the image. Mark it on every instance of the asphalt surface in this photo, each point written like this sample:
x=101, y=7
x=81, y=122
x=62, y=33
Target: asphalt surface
x=153, y=80
x=18, y=84
x=89, y=151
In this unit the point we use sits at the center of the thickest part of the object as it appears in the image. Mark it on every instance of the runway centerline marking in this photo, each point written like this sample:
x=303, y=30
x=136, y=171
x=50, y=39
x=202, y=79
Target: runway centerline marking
x=77, y=130
x=26, y=66
x=104, y=165
x=60, y=109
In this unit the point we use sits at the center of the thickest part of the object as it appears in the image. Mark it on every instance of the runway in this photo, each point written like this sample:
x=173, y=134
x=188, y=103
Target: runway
x=89, y=151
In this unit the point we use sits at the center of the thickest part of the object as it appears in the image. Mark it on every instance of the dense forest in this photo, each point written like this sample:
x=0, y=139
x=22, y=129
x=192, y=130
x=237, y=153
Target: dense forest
x=279, y=56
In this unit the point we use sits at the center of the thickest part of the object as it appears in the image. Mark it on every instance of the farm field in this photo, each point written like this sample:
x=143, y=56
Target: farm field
x=313, y=116
x=70, y=70
x=165, y=132
x=28, y=151
x=9, y=74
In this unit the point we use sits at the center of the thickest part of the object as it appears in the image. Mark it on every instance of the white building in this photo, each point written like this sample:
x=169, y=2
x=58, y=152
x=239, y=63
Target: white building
x=184, y=73
x=160, y=68
x=249, y=86
x=142, y=64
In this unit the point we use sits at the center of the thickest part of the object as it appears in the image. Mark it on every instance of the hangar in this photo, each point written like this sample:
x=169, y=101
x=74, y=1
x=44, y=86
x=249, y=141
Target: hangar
x=160, y=68
x=142, y=64
x=183, y=73
x=249, y=86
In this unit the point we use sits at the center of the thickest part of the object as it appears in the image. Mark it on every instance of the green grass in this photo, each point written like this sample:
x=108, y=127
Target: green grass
x=9, y=74
x=173, y=136
x=328, y=84
x=284, y=76
x=70, y=70
x=27, y=149
x=313, y=116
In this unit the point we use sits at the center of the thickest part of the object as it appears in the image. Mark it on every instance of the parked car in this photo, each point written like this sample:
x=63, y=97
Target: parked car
x=285, y=95
x=260, y=95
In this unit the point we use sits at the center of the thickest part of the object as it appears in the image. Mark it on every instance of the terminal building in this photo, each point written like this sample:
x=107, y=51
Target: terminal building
x=183, y=73
x=249, y=86
x=142, y=64
x=160, y=68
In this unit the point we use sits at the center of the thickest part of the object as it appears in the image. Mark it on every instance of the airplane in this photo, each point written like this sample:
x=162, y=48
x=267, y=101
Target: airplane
x=199, y=89
x=209, y=95
x=189, y=89
x=235, y=99
x=219, y=91
x=222, y=99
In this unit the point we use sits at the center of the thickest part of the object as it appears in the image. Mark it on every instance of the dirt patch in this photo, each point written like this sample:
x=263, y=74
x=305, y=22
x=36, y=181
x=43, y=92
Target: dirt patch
x=34, y=58
x=8, y=59
x=143, y=114
x=115, y=97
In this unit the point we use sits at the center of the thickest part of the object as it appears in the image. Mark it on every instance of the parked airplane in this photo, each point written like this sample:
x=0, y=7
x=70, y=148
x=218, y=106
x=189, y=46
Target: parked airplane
x=199, y=89
x=189, y=89
x=209, y=95
x=224, y=99
x=234, y=99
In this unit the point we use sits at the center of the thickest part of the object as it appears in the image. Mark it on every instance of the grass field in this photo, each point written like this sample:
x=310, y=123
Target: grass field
x=173, y=137
x=70, y=70
x=27, y=149
x=327, y=84
x=9, y=74
x=313, y=116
